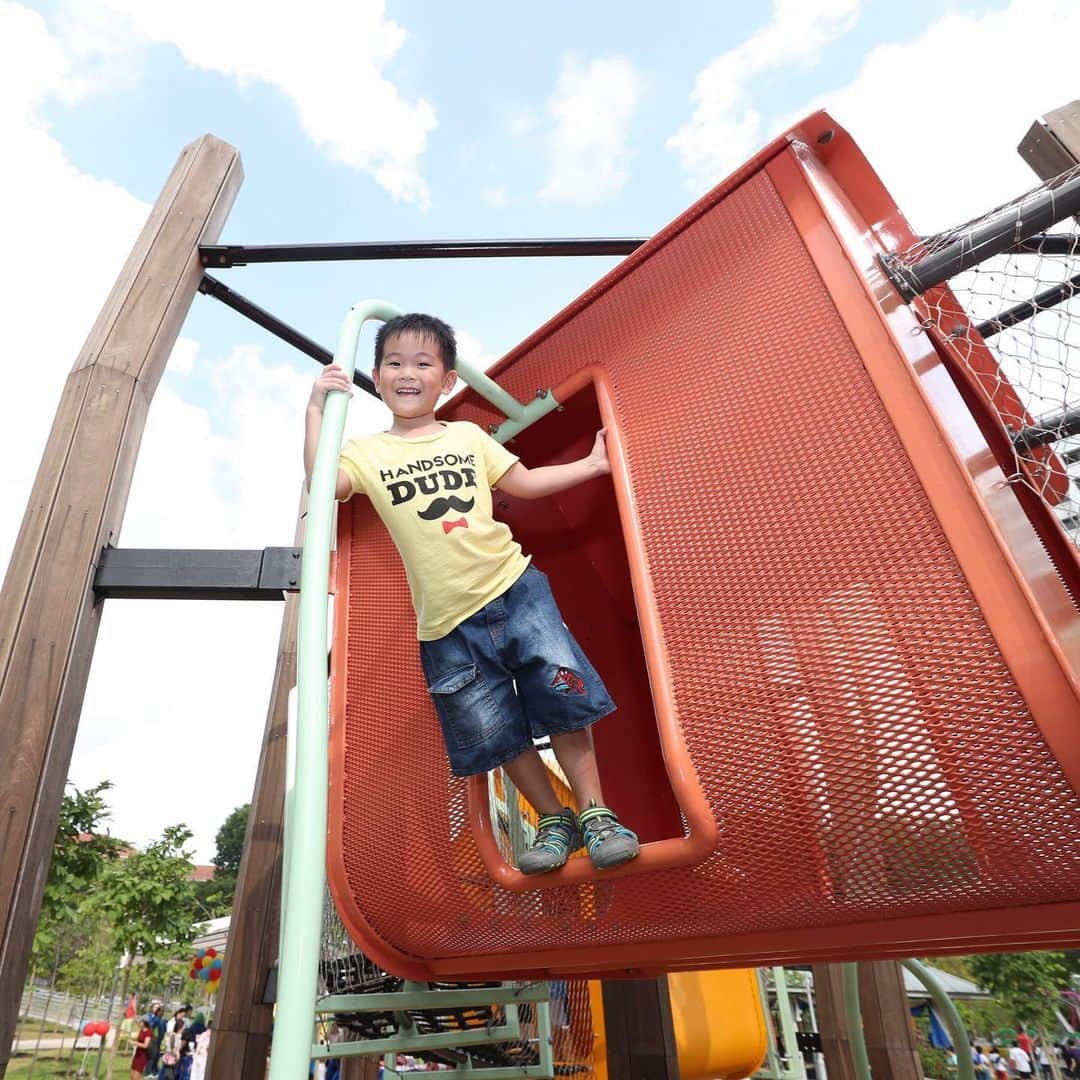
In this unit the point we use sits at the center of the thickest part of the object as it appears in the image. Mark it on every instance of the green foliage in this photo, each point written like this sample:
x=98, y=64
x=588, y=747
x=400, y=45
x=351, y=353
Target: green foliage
x=1026, y=984
x=230, y=842
x=148, y=900
x=73, y=870
x=214, y=898
x=934, y=1062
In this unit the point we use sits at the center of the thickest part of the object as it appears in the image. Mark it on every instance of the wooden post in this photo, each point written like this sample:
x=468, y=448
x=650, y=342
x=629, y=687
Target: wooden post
x=640, y=1031
x=887, y=1025
x=242, y=1022
x=1052, y=143
x=832, y=1020
x=48, y=620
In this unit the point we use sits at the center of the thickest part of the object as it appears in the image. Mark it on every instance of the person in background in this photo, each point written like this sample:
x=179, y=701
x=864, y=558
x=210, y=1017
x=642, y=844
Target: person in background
x=156, y=1019
x=998, y=1064
x=142, y=1044
x=1020, y=1060
x=187, y=1052
x=202, y=1053
x=1042, y=1061
x=170, y=1049
x=1071, y=1054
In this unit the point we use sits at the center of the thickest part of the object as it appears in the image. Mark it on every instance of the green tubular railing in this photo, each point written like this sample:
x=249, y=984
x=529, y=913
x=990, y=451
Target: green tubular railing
x=957, y=1032
x=965, y=1066
x=307, y=779
x=305, y=819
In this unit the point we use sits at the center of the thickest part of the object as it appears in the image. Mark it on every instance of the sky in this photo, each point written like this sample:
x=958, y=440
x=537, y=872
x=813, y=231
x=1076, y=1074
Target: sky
x=365, y=120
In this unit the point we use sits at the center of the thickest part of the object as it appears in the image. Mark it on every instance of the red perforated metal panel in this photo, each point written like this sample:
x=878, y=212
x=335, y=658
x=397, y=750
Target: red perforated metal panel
x=853, y=723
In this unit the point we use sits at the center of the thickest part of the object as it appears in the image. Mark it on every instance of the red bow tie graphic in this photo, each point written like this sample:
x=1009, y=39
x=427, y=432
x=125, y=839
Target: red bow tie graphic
x=448, y=525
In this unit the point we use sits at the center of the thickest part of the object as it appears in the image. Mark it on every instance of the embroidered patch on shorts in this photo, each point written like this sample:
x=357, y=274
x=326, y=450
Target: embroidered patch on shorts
x=566, y=682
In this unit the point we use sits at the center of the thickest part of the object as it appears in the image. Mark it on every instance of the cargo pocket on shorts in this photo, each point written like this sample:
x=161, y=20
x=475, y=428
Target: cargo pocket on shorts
x=465, y=706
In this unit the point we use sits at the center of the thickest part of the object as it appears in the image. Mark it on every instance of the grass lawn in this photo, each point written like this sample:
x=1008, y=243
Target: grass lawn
x=48, y=1066
x=30, y=1029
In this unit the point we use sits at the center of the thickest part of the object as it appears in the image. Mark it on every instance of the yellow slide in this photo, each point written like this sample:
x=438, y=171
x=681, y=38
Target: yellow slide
x=719, y=1024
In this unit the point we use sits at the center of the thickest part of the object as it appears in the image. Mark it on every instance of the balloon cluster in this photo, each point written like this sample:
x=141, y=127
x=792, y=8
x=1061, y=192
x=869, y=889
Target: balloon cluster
x=96, y=1027
x=207, y=966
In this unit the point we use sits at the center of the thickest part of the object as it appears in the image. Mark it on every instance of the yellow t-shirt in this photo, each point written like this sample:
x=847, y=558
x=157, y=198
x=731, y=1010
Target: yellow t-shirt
x=433, y=493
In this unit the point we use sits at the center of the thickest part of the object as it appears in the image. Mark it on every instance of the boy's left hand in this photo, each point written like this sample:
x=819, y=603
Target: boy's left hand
x=598, y=456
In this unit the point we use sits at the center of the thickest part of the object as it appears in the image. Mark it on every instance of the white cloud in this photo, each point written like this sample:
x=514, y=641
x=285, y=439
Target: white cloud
x=328, y=61
x=949, y=153
x=471, y=349
x=72, y=233
x=184, y=354
x=725, y=128
x=177, y=697
x=592, y=107
x=177, y=694
x=495, y=196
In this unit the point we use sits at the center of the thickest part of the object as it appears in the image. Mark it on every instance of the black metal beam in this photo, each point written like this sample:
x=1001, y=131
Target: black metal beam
x=196, y=574
x=1048, y=429
x=1048, y=298
x=226, y=255
x=988, y=237
x=210, y=286
x=1050, y=244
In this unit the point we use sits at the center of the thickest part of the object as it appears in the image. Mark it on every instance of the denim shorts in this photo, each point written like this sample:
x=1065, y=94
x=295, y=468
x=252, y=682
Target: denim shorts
x=510, y=674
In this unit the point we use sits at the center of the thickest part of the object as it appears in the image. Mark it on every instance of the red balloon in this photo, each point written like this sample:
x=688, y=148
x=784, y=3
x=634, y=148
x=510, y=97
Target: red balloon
x=211, y=952
x=198, y=963
x=215, y=974
x=103, y=1027
x=88, y=1028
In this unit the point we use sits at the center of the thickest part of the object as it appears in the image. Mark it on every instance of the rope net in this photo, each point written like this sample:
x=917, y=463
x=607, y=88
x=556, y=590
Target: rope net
x=1011, y=326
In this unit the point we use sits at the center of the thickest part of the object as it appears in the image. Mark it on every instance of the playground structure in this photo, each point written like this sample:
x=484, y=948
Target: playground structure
x=802, y=660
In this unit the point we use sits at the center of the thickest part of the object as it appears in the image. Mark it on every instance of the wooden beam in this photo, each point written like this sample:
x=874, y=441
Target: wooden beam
x=887, y=1024
x=832, y=1021
x=48, y=621
x=640, y=1031
x=242, y=1022
x=1052, y=143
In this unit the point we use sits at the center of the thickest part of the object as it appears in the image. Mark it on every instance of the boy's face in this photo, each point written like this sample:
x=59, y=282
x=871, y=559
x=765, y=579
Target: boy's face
x=412, y=377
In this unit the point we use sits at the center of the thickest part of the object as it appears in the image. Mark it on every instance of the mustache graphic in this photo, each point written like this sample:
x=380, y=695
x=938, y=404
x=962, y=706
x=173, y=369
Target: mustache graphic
x=439, y=507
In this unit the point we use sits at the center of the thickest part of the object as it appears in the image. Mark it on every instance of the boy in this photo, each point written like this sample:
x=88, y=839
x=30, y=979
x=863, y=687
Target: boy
x=500, y=665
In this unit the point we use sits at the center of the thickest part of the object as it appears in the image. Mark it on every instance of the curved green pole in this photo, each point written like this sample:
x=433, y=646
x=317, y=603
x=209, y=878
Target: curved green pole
x=305, y=824
x=965, y=1067
x=853, y=1011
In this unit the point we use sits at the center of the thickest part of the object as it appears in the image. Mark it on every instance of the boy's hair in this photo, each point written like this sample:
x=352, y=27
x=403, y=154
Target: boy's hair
x=424, y=327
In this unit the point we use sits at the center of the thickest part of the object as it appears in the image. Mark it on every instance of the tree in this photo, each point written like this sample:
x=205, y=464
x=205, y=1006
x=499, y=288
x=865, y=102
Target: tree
x=148, y=902
x=230, y=842
x=80, y=852
x=215, y=897
x=1027, y=983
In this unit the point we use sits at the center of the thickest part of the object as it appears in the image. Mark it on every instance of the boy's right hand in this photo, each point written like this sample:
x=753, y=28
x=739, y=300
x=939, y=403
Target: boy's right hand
x=332, y=378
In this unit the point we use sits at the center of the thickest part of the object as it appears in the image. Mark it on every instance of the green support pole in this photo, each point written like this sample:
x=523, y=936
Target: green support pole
x=518, y=416
x=304, y=856
x=305, y=826
x=854, y=1018
x=965, y=1067
x=794, y=1067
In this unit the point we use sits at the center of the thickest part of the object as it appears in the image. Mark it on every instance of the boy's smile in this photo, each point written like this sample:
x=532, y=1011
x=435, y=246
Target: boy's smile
x=412, y=377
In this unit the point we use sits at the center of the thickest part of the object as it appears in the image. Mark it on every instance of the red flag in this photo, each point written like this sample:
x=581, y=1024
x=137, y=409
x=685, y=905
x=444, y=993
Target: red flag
x=129, y=1012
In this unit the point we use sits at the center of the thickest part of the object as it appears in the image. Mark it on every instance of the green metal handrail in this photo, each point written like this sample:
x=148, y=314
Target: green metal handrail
x=965, y=1066
x=958, y=1033
x=303, y=885
x=853, y=1012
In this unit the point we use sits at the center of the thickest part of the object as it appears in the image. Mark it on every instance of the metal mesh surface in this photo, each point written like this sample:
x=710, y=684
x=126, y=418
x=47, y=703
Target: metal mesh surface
x=850, y=718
